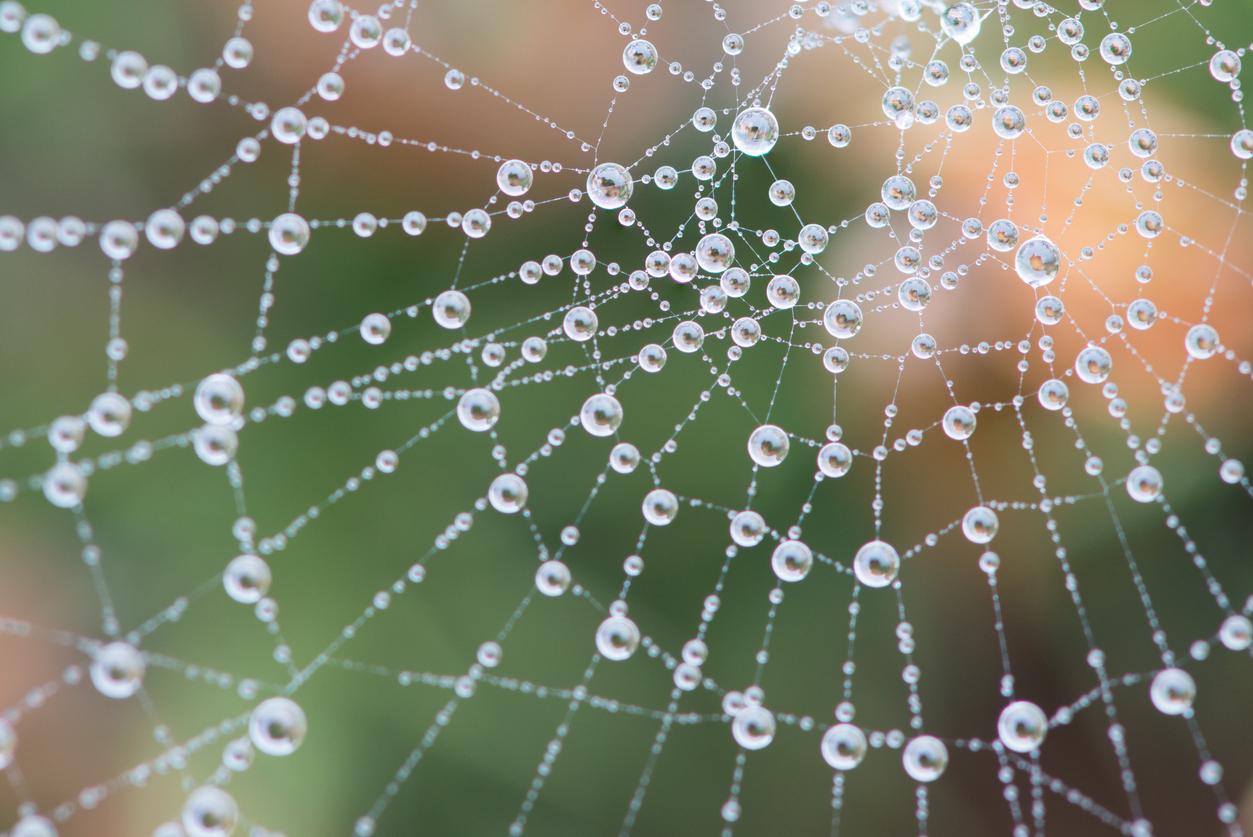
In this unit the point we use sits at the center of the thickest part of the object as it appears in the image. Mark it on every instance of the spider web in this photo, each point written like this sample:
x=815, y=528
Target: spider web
x=911, y=363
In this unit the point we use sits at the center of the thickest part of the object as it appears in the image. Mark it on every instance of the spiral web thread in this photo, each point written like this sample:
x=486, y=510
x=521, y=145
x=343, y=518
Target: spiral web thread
x=863, y=36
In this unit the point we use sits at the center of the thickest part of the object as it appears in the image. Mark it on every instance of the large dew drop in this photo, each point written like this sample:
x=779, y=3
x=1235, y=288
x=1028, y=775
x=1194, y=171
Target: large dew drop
x=117, y=670
x=961, y=22
x=768, y=445
x=210, y=812
x=514, y=178
x=1144, y=484
x=753, y=727
x=660, y=507
x=714, y=253
x=451, y=309
x=478, y=409
x=277, y=726
x=639, y=57
x=791, y=560
x=601, y=415
x=219, y=399
x=1022, y=726
x=843, y=746
x=552, y=578
x=925, y=758
x=959, y=422
x=1037, y=261
x=980, y=524
x=755, y=131
x=1093, y=365
x=1172, y=691
x=508, y=493
x=609, y=186
x=842, y=318
x=617, y=638
x=247, y=578
x=289, y=234
x=876, y=564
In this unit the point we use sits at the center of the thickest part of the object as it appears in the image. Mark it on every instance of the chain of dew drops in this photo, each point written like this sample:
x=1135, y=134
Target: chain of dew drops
x=721, y=265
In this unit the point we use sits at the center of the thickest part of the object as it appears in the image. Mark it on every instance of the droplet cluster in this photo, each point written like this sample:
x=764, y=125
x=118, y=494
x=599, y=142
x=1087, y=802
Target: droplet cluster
x=975, y=255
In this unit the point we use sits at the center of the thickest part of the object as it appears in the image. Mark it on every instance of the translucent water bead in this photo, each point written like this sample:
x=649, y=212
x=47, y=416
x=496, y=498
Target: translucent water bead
x=639, y=57
x=514, y=178
x=478, y=409
x=1022, y=726
x=1093, y=365
x=209, y=812
x=277, y=726
x=958, y=422
x=601, y=415
x=1115, y=48
x=617, y=638
x=219, y=399
x=660, y=507
x=289, y=234
x=451, y=309
x=109, y=414
x=961, y=22
x=791, y=560
x=842, y=319
x=1144, y=484
x=925, y=758
x=980, y=524
x=715, y=253
x=843, y=746
x=835, y=459
x=117, y=670
x=768, y=445
x=609, y=186
x=755, y=131
x=65, y=485
x=552, y=578
x=1236, y=633
x=1037, y=261
x=33, y=825
x=1172, y=691
x=508, y=494
x=753, y=727
x=8, y=743
x=876, y=564
x=247, y=578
